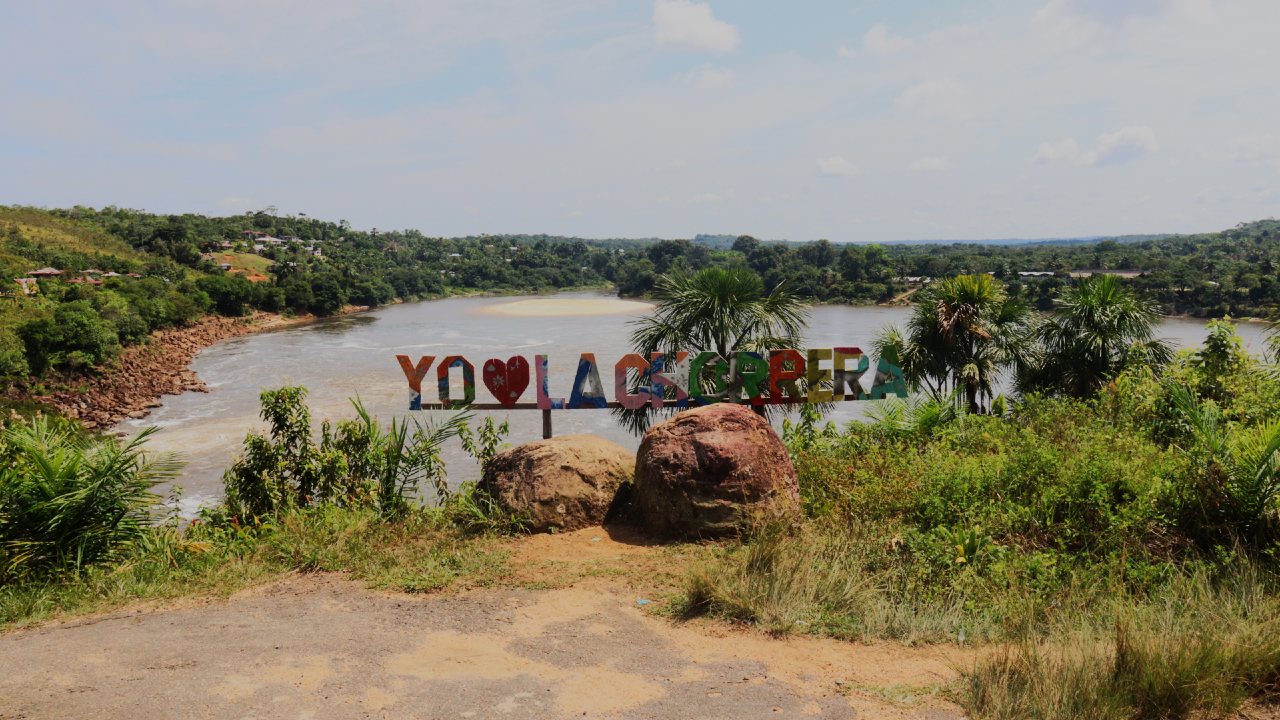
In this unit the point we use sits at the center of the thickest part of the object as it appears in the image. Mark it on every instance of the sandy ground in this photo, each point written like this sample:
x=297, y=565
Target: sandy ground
x=322, y=646
x=562, y=307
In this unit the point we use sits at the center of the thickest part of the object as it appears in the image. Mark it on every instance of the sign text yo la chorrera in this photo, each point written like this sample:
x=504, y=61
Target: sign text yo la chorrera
x=680, y=379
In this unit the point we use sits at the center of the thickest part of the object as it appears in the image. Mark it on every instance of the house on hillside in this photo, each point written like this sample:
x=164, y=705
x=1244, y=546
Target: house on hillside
x=28, y=285
x=1126, y=274
x=45, y=272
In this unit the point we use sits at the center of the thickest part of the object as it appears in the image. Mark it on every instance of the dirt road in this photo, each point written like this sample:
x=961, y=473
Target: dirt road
x=322, y=646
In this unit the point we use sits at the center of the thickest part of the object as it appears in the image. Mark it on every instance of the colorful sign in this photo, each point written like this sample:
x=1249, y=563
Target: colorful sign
x=681, y=379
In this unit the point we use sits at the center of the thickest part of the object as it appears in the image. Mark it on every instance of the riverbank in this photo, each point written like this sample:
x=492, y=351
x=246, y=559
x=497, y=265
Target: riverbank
x=146, y=373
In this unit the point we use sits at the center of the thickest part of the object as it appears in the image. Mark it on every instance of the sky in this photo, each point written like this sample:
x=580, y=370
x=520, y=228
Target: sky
x=852, y=120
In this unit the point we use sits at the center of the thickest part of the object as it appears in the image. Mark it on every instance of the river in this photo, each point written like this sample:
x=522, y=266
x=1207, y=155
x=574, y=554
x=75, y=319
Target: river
x=354, y=356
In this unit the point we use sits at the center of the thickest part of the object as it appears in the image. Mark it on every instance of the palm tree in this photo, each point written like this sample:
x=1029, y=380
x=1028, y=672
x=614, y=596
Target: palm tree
x=722, y=309
x=963, y=332
x=1098, y=327
x=69, y=499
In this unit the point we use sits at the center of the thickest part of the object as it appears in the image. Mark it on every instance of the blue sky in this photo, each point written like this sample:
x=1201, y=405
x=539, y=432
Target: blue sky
x=854, y=121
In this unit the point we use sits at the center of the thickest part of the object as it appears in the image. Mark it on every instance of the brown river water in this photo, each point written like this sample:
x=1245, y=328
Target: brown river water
x=354, y=356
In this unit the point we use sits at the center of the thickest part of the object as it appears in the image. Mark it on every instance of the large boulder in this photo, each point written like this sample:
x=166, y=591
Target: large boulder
x=563, y=483
x=709, y=472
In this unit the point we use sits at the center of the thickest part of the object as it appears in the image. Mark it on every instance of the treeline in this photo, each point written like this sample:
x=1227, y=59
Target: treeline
x=358, y=267
x=318, y=266
x=1232, y=272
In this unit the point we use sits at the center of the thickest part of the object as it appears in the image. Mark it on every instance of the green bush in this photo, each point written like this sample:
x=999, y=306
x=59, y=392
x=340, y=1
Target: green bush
x=1055, y=476
x=123, y=316
x=13, y=355
x=68, y=500
x=231, y=294
x=356, y=464
x=73, y=337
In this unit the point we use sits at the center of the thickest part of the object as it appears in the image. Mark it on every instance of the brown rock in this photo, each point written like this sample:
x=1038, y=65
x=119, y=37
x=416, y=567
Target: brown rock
x=565, y=482
x=708, y=472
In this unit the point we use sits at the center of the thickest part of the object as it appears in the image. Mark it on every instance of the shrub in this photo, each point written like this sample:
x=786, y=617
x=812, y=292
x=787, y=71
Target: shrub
x=355, y=464
x=13, y=355
x=1232, y=493
x=68, y=500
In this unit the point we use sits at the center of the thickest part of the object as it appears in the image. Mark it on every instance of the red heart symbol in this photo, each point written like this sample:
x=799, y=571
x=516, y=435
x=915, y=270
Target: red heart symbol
x=506, y=381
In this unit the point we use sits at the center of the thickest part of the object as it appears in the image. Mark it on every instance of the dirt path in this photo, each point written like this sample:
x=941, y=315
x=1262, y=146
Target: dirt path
x=322, y=646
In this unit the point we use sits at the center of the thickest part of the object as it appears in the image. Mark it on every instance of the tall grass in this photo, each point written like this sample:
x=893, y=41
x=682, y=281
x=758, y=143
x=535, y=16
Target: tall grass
x=1202, y=649
x=853, y=582
x=70, y=500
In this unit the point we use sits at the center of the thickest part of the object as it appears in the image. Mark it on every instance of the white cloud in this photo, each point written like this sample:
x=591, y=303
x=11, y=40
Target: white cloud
x=879, y=41
x=938, y=97
x=706, y=199
x=1254, y=149
x=1123, y=146
x=1057, y=151
x=844, y=52
x=931, y=163
x=1114, y=148
x=709, y=77
x=691, y=25
x=575, y=95
x=836, y=166
x=1071, y=23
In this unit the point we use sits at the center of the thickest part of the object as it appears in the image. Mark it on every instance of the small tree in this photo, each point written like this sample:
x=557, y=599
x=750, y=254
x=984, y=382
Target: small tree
x=1098, y=327
x=963, y=332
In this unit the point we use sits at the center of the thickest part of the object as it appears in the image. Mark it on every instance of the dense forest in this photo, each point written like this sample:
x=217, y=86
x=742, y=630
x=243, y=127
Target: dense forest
x=187, y=265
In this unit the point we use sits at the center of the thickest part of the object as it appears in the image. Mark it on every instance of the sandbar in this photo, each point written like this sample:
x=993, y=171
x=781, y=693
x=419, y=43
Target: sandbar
x=566, y=307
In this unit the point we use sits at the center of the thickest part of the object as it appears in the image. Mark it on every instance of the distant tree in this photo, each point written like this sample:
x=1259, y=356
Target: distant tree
x=73, y=337
x=328, y=295
x=820, y=254
x=13, y=355
x=231, y=294
x=745, y=244
x=665, y=253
